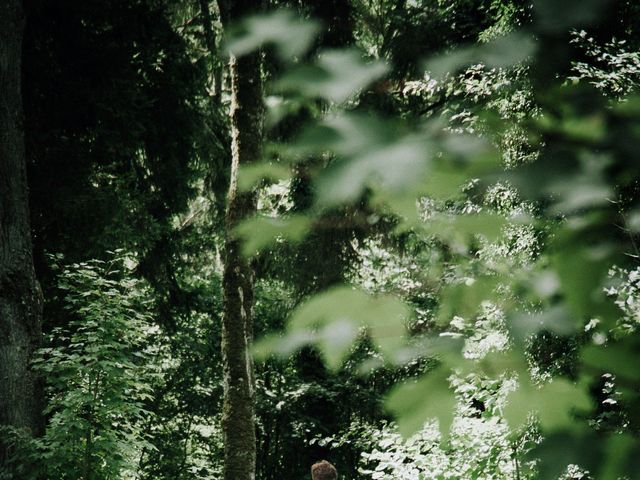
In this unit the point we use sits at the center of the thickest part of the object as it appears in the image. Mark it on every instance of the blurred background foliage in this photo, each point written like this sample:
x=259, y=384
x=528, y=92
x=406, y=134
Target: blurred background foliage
x=446, y=257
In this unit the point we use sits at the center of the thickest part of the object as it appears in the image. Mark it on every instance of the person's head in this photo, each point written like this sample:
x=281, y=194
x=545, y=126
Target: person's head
x=323, y=470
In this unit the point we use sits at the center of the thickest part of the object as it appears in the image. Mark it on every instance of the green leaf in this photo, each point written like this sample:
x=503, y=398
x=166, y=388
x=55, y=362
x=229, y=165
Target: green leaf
x=618, y=358
x=335, y=340
x=343, y=312
x=464, y=299
x=282, y=346
x=336, y=76
x=502, y=52
x=557, y=319
x=416, y=401
x=250, y=175
x=554, y=403
x=622, y=454
x=554, y=17
x=582, y=271
x=562, y=448
x=260, y=231
x=459, y=228
x=291, y=35
x=393, y=167
x=578, y=193
x=633, y=220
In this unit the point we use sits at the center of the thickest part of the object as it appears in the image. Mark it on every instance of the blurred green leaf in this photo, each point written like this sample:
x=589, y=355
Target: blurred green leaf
x=583, y=190
x=502, y=52
x=618, y=358
x=345, y=310
x=336, y=75
x=557, y=17
x=557, y=319
x=335, y=339
x=287, y=31
x=250, y=175
x=460, y=228
x=394, y=167
x=582, y=272
x=416, y=401
x=464, y=299
x=282, y=345
x=633, y=221
x=563, y=448
x=622, y=453
x=582, y=128
x=343, y=134
x=278, y=108
x=554, y=402
x=260, y=231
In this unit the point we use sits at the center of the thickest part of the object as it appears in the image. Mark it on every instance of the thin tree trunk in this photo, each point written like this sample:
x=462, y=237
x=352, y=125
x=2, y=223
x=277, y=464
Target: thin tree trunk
x=214, y=54
x=20, y=297
x=238, y=420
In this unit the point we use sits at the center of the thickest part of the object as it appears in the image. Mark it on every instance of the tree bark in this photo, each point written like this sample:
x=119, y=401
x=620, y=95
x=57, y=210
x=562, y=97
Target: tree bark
x=214, y=53
x=20, y=297
x=238, y=420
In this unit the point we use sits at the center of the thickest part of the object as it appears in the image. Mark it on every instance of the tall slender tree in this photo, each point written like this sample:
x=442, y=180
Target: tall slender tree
x=247, y=111
x=214, y=54
x=20, y=297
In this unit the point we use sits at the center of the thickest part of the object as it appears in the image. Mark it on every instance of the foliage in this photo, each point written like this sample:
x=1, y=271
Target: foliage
x=446, y=188
x=20, y=455
x=359, y=147
x=626, y=293
x=611, y=68
x=99, y=373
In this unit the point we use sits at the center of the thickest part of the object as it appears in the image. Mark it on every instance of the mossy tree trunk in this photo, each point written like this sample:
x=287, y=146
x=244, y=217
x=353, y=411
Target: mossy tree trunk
x=215, y=59
x=247, y=110
x=20, y=297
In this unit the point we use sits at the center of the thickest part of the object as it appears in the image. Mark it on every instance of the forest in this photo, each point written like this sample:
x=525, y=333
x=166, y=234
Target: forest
x=319, y=239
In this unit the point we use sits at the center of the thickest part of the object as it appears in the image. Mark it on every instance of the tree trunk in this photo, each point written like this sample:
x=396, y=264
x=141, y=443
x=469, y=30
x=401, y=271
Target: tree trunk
x=238, y=421
x=20, y=297
x=214, y=53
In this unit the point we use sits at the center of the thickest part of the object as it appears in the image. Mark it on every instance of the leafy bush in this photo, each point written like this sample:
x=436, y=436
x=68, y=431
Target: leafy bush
x=98, y=373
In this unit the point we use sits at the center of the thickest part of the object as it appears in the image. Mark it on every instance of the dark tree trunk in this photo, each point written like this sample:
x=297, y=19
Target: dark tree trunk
x=20, y=298
x=238, y=421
